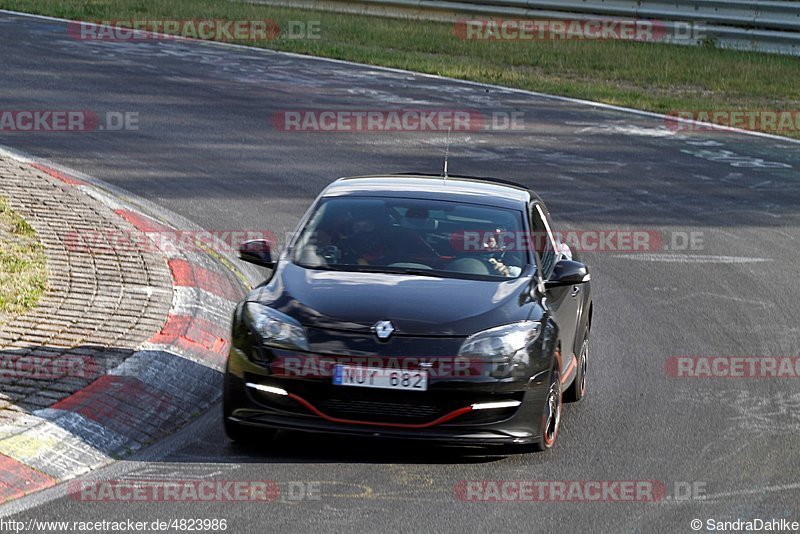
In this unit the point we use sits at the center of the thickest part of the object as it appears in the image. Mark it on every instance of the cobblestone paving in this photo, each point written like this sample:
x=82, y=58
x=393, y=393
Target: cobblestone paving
x=101, y=303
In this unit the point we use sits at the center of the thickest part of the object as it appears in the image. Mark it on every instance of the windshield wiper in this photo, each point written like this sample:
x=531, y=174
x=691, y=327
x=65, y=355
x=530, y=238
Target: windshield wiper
x=323, y=267
x=398, y=270
x=354, y=268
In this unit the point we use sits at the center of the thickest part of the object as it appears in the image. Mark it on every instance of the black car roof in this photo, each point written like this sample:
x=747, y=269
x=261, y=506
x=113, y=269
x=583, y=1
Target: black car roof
x=488, y=191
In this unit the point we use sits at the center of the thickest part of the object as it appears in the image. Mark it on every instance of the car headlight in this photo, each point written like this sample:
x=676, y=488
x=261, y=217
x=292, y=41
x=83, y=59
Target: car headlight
x=275, y=328
x=507, y=344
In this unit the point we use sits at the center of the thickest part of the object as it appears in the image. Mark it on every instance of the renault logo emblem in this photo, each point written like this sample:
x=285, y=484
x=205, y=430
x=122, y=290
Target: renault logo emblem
x=383, y=329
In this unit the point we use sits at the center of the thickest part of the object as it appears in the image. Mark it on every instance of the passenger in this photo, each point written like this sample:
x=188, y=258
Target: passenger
x=501, y=261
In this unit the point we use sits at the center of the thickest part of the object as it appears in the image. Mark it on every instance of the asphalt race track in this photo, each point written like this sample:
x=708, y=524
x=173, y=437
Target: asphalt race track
x=206, y=149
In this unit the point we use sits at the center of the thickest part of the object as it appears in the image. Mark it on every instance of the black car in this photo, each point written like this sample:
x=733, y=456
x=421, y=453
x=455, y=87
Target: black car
x=413, y=306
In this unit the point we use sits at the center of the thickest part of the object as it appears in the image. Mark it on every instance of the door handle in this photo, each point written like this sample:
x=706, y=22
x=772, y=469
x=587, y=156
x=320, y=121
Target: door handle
x=575, y=291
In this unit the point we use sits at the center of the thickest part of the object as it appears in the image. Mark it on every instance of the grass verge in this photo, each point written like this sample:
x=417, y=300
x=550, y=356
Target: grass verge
x=646, y=76
x=23, y=269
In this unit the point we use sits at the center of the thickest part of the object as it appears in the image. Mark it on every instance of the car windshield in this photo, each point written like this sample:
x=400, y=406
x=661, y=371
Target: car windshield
x=412, y=236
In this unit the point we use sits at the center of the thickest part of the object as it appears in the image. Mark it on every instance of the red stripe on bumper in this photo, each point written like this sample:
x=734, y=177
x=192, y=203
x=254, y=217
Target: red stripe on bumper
x=440, y=420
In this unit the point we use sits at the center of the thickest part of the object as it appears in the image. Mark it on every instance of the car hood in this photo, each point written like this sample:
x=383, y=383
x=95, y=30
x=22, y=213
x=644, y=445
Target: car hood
x=416, y=305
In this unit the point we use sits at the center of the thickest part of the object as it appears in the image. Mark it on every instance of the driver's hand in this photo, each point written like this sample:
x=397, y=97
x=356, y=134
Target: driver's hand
x=500, y=268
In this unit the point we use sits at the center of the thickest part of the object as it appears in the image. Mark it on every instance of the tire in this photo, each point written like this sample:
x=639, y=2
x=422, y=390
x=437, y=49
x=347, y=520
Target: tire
x=551, y=413
x=577, y=390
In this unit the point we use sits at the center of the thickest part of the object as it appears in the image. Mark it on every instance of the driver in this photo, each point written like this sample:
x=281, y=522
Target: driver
x=367, y=240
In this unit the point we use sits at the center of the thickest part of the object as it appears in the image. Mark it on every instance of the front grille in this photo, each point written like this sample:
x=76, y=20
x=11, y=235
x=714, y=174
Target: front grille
x=380, y=405
x=384, y=412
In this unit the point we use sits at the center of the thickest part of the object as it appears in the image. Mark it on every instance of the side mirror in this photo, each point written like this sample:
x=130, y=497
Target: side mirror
x=568, y=273
x=257, y=252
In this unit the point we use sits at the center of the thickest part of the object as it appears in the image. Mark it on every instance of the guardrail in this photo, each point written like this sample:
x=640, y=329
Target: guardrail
x=764, y=26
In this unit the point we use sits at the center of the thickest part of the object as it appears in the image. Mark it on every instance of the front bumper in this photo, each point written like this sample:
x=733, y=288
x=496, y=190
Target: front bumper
x=445, y=413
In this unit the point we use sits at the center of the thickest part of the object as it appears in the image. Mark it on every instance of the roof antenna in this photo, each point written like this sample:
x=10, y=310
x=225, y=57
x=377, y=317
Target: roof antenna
x=446, y=154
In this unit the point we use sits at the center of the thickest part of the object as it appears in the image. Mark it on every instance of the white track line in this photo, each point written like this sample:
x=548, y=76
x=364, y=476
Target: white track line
x=691, y=258
x=443, y=78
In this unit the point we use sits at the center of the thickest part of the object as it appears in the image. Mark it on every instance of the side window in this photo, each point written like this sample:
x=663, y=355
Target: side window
x=562, y=250
x=543, y=239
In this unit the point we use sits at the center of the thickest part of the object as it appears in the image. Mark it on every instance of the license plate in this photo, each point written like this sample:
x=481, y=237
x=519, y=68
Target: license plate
x=375, y=377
